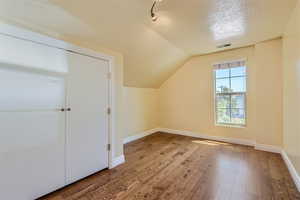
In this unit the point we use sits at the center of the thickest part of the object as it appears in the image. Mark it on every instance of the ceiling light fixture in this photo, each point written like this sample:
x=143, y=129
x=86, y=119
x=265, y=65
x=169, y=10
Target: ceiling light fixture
x=224, y=45
x=154, y=17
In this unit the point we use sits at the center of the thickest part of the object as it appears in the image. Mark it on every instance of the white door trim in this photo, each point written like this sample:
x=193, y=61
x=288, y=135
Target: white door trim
x=23, y=34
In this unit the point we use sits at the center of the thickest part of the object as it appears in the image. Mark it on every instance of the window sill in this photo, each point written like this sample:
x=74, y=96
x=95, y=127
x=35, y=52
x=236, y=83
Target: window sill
x=231, y=125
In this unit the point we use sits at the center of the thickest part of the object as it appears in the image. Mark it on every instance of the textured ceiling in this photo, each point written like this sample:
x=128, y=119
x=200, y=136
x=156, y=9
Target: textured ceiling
x=198, y=26
x=153, y=51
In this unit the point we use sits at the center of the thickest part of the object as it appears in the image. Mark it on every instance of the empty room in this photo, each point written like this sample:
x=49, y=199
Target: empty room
x=149, y=100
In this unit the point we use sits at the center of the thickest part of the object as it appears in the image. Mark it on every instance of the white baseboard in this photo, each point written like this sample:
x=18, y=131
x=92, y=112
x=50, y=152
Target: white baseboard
x=268, y=148
x=261, y=147
x=208, y=137
x=291, y=169
x=117, y=161
x=139, y=136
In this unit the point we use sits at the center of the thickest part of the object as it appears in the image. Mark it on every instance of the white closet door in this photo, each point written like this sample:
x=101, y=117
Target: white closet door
x=87, y=135
x=32, y=133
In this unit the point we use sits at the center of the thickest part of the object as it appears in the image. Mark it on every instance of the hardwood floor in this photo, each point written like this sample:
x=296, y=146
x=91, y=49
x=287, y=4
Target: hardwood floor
x=172, y=167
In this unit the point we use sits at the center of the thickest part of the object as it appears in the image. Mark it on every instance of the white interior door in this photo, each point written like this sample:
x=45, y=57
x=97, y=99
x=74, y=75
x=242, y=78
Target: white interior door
x=87, y=135
x=32, y=133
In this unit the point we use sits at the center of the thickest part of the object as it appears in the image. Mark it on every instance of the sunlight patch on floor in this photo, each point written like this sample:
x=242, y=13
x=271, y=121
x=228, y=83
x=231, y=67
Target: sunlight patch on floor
x=208, y=142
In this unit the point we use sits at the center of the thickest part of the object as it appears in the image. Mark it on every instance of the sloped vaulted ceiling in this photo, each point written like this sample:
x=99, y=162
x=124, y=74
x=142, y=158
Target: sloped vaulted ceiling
x=153, y=51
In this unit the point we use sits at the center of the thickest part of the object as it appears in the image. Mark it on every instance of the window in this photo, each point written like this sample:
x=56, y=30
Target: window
x=230, y=93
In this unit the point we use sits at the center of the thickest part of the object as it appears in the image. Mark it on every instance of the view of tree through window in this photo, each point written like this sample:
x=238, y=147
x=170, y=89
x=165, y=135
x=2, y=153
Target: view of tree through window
x=230, y=94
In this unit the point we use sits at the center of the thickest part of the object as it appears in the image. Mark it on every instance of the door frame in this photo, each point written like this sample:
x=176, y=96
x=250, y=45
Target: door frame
x=23, y=34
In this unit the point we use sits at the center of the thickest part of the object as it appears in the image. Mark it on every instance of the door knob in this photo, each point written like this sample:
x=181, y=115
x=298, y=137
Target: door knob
x=62, y=110
x=68, y=109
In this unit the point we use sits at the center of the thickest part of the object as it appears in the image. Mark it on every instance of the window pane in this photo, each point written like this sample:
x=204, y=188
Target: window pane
x=238, y=101
x=222, y=85
x=222, y=73
x=223, y=101
x=238, y=71
x=238, y=116
x=238, y=84
x=223, y=116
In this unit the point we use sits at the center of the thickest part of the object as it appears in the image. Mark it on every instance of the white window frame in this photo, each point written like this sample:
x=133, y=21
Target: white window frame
x=230, y=94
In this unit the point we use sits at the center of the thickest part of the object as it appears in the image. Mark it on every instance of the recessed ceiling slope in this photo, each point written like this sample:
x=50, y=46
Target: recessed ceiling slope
x=153, y=50
x=149, y=59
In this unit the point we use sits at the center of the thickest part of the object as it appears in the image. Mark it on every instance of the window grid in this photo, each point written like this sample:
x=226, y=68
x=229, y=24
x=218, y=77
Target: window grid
x=230, y=94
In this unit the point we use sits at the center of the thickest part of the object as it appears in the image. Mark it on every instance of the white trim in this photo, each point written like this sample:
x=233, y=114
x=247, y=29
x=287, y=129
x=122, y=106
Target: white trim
x=292, y=169
x=139, y=136
x=268, y=148
x=245, y=99
x=112, y=116
x=23, y=34
x=209, y=137
x=230, y=126
x=257, y=146
x=230, y=61
x=117, y=161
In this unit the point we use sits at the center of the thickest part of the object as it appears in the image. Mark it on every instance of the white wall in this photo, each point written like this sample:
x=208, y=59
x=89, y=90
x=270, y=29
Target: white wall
x=186, y=100
x=291, y=62
x=140, y=110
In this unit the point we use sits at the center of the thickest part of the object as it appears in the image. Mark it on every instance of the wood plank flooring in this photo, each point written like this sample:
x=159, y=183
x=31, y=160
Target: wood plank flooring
x=172, y=167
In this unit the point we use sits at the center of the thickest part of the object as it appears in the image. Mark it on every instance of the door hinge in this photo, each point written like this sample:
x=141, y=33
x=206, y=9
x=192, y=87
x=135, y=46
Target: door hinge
x=108, y=147
x=108, y=111
x=109, y=75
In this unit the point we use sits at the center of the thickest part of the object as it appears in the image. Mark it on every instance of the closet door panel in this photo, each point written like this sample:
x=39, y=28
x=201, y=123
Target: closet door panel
x=23, y=89
x=32, y=55
x=32, y=133
x=87, y=135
